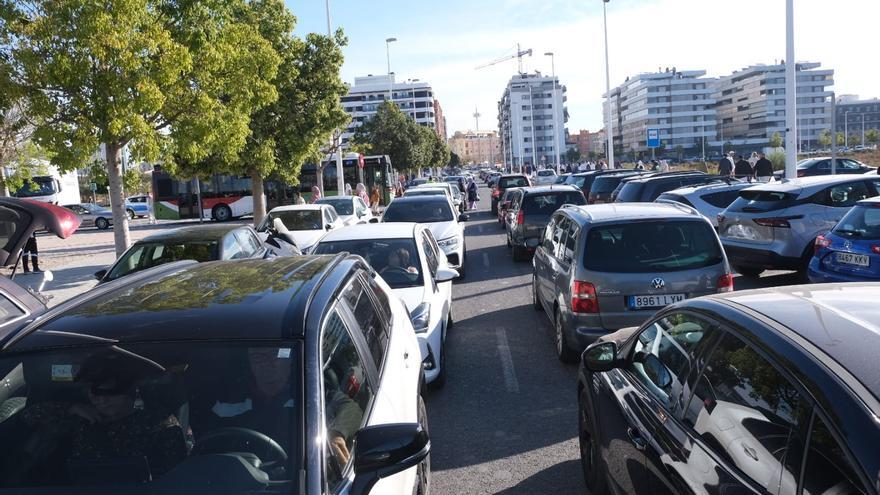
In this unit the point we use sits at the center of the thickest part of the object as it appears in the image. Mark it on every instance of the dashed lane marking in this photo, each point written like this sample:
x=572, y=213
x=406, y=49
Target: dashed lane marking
x=510, y=381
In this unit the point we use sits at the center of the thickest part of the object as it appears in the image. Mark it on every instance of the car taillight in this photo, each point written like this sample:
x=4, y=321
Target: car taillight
x=583, y=297
x=821, y=242
x=875, y=249
x=520, y=218
x=725, y=283
x=778, y=222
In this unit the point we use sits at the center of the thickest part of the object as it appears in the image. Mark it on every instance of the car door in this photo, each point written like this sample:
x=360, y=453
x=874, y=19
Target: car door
x=543, y=264
x=439, y=295
x=565, y=261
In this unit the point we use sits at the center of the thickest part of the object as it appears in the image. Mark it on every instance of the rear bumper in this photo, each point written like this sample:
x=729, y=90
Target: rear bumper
x=760, y=258
x=817, y=275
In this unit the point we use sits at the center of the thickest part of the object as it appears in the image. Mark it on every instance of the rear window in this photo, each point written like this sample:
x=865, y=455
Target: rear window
x=862, y=222
x=678, y=198
x=761, y=201
x=506, y=182
x=721, y=199
x=651, y=247
x=546, y=204
x=604, y=185
x=576, y=180
x=630, y=192
x=545, y=173
x=429, y=211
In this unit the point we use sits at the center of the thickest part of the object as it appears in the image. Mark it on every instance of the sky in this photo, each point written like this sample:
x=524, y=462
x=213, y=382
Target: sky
x=442, y=42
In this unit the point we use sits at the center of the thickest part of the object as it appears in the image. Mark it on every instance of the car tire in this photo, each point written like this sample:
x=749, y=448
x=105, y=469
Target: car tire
x=221, y=213
x=536, y=303
x=423, y=471
x=461, y=274
x=591, y=464
x=102, y=223
x=748, y=271
x=563, y=350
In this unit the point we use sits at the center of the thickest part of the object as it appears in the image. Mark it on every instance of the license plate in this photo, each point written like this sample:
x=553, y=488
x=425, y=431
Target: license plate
x=853, y=259
x=655, y=301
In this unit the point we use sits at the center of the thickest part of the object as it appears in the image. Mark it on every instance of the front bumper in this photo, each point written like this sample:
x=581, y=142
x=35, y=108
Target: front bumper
x=430, y=344
x=760, y=258
x=454, y=255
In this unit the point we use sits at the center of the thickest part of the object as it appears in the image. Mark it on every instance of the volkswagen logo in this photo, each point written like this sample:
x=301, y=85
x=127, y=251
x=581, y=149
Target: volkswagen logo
x=658, y=283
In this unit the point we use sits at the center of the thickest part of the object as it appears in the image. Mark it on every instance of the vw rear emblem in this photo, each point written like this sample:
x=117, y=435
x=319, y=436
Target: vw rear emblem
x=658, y=283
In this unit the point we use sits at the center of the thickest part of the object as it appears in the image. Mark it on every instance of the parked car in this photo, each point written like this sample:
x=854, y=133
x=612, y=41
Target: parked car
x=439, y=215
x=452, y=190
x=774, y=226
x=351, y=209
x=600, y=268
x=505, y=182
x=408, y=259
x=248, y=375
x=545, y=177
x=584, y=180
x=304, y=223
x=504, y=205
x=529, y=213
x=708, y=199
x=417, y=182
x=648, y=188
x=198, y=243
x=137, y=206
x=604, y=184
x=492, y=180
x=771, y=390
x=822, y=166
x=561, y=178
x=850, y=251
x=92, y=215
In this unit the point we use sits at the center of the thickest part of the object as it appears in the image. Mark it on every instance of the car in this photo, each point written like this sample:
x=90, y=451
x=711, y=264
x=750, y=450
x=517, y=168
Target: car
x=850, y=251
x=822, y=166
x=492, y=179
x=268, y=375
x=137, y=206
x=504, y=182
x=604, y=184
x=304, y=223
x=198, y=243
x=20, y=218
x=453, y=192
x=427, y=190
x=584, y=180
x=774, y=226
x=561, y=178
x=545, y=177
x=417, y=182
x=504, y=204
x=529, y=212
x=708, y=199
x=439, y=215
x=647, y=188
x=599, y=268
x=350, y=209
x=408, y=259
x=92, y=215
x=737, y=393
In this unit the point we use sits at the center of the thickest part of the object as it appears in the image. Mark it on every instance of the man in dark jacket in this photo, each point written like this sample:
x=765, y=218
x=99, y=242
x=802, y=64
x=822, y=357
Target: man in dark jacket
x=725, y=166
x=763, y=168
x=743, y=169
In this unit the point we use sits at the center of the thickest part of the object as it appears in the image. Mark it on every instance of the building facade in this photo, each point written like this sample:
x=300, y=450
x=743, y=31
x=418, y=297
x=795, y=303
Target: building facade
x=415, y=98
x=439, y=120
x=855, y=117
x=530, y=131
x=476, y=146
x=678, y=104
x=751, y=105
x=586, y=142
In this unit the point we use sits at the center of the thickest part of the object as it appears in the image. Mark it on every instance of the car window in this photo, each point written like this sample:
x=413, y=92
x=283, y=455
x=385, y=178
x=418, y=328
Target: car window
x=568, y=247
x=428, y=211
x=750, y=201
x=431, y=257
x=576, y=180
x=745, y=410
x=247, y=242
x=231, y=248
x=368, y=318
x=396, y=260
x=147, y=255
x=545, y=204
x=547, y=240
x=347, y=396
x=294, y=220
x=826, y=164
x=828, y=470
x=846, y=195
x=850, y=164
x=9, y=310
x=508, y=182
x=631, y=191
x=559, y=233
x=361, y=206
x=861, y=222
x=721, y=199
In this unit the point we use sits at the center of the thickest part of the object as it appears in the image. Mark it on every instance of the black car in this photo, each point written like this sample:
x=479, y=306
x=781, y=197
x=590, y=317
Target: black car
x=248, y=376
x=648, y=188
x=584, y=180
x=822, y=166
x=503, y=183
x=603, y=186
x=199, y=243
x=766, y=391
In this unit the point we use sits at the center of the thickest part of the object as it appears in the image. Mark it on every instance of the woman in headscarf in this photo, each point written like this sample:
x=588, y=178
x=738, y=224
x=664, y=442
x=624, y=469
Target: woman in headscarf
x=316, y=194
x=348, y=189
x=362, y=193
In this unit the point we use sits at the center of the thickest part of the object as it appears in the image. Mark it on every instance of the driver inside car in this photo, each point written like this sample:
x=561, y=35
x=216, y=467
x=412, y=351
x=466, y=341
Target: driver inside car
x=399, y=260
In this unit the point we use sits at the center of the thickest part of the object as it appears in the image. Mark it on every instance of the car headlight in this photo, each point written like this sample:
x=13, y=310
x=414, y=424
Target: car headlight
x=420, y=316
x=449, y=242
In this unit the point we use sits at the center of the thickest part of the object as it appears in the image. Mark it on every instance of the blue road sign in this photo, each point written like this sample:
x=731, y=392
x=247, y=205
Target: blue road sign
x=653, y=138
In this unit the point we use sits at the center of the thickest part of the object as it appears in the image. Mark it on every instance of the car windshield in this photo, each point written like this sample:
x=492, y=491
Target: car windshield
x=576, y=180
x=543, y=205
x=37, y=186
x=418, y=212
x=294, y=220
x=396, y=260
x=862, y=222
x=506, y=182
x=604, y=185
x=150, y=254
x=545, y=173
x=650, y=247
x=343, y=206
x=750, y=201
x=150, y=418
x=560, y=179
x=420, y=191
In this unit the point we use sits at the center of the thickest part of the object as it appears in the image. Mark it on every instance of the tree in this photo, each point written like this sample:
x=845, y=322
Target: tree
x=841, y=139
x=824, y=138
x=408, y=145
x=855, y=139
x=776, y=140
x=572, y=155
x=872, y=137
x=454, y=160
x=169, y=80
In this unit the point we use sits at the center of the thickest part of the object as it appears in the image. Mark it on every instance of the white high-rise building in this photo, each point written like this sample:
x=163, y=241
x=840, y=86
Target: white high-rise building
x=415, y=98
x=529, y=129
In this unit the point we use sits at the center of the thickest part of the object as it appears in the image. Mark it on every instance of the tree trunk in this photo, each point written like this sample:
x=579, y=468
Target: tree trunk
x=121, y=236
x=259, y=199
x=4, y=190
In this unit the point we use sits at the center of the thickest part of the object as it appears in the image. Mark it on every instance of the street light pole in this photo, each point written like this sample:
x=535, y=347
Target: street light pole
x=555, y=114
x=790, y=94
x=609, y=131
x=388, y=59
x=846, y=129
x=337, y=140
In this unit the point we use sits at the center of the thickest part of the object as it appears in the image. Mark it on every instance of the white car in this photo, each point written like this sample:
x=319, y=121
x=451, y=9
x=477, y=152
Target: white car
x=407, y=258
x=546, y=177
x=306, y=223
x=439, y=215
x=709, y=199
x=351, y=209
x=454, y=193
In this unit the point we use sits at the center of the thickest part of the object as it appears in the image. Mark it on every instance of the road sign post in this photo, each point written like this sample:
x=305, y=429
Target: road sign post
x=653, y=140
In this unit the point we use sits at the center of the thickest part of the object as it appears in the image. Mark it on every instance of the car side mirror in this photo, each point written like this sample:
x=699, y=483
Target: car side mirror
x=445, y=275
x=384, y=450
x=100, y=274
x=463, y=218
x=328, y=227
x=600, y=356
x=374, y=220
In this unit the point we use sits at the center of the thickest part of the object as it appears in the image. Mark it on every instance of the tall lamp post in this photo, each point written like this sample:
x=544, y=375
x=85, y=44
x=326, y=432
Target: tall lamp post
x=846, y=129
x=609, y=131
x=555, y=114
x=337, y=140
x=388, y=59
x=791, y=134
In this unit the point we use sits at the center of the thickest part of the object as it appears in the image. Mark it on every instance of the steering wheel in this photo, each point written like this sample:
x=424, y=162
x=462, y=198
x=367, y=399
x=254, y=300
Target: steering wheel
x=221, y=435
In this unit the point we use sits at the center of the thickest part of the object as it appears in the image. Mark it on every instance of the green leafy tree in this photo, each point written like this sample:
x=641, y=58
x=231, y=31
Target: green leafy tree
x=855, y=139
x=454, y=160
x=776, y=140
x=824, y=138
x=572, y=155
x=408, y=145
x=166, y=79
x=841, y=139
x=872, y=137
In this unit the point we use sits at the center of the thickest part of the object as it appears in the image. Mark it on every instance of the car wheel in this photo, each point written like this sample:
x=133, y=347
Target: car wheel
x=563, y=350
x=423, y=471
x=536, y=303
x=748, y=271
x=131, y=214
x=222, y=213
x=591, y=465
x=102, y=223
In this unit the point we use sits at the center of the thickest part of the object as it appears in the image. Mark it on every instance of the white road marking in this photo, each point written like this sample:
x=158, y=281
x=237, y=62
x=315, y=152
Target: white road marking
x=510, y=380
x=486, y=259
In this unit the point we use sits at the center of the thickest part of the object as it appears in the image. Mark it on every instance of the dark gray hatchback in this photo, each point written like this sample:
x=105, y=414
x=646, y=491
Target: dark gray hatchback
x=529, y=213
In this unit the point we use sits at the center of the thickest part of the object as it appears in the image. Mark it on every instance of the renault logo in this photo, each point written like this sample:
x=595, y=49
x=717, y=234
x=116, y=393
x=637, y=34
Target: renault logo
x=658, y=283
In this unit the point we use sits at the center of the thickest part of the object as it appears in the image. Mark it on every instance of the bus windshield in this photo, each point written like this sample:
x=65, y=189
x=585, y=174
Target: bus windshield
x=37, y=186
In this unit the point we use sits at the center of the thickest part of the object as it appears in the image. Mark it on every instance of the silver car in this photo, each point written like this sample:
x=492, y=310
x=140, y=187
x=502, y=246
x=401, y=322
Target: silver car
x=600, y=268
x=774, y=226
x=545, y=177
x=708, y=199
x=92, y=215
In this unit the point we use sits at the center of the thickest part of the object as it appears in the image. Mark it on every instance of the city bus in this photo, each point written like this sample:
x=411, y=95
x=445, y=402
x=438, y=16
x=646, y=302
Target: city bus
x=372, y=171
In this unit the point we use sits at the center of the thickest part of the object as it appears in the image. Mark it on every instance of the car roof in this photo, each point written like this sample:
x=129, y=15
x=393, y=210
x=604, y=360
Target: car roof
x=663, y=175
x=327, y=199
x=265, y=299
x=812, y=159
x=298, y=207
x=623, y=212
x=192, y=233
x=513, y=175
x=560, y=188
x=387, y=230
x=797, y=185
x=708, y=188
x=433, y=198
x=839, y=319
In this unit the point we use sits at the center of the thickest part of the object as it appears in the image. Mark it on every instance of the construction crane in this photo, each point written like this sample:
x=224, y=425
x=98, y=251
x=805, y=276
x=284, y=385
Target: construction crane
x=518, y=56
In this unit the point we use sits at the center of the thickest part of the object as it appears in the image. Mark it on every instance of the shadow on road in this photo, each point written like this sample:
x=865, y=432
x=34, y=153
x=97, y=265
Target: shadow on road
x=565, y=477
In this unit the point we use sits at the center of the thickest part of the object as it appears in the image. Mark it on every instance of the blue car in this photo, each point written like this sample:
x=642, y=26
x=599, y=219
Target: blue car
x=850, y=252
x=137, y=206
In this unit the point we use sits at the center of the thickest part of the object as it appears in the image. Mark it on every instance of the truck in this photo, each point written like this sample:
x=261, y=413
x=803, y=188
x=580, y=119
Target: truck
x=54, y=187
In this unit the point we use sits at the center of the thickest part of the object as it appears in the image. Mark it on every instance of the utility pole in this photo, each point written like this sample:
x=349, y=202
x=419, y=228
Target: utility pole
x=833, y=134
x=609, y=131
x=336, y=137
x=555, y=113
x=388, y=42
x=477, y=133
x=790, y=94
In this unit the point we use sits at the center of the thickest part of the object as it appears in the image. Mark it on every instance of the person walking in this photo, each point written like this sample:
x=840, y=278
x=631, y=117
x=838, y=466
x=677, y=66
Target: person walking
x=374, y=200
x=725, y=166
x=316, y=194
x=298, y=198
x=663, y=167
x=31, y=253
x=742, y=169
x=763, y=168
x=361, y=191
x=753, y=159
x=472, y=195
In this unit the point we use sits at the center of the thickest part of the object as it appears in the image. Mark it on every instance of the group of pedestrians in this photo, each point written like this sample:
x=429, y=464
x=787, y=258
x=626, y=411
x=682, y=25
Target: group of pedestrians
x=654, y=166
x=371, y=200
x=757, y=167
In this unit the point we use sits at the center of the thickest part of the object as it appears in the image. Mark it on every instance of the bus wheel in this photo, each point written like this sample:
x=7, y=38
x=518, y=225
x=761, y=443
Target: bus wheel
x=222, y=213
